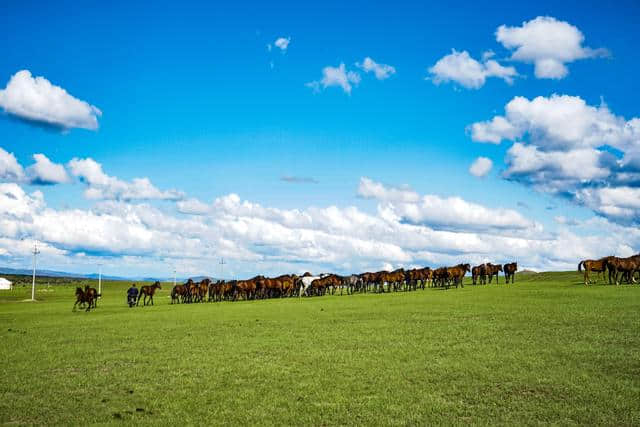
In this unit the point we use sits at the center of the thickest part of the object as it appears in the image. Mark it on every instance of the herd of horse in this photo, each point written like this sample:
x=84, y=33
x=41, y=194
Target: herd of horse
x=618, y=268
x=290, y=285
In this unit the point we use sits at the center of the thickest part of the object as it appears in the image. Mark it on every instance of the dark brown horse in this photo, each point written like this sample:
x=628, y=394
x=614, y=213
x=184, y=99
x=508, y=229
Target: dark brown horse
x=440, y=277
x=479, y=273
x=147, y=291
x=178, y=292
x=510, y=272
x=91, y=294
x=81, y=298
x=493, y=270
x=626, y=266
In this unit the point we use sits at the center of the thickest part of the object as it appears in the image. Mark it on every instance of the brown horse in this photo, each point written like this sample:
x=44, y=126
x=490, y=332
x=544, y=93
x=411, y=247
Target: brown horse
x=178, y=291
x=248, y=288
x=81, y=298
x=214, y=291
x=394, y=279
x=510, y=272
x=194, y=291
x=479, y=272
x=440, y=276
x=626, y=266
x=493, y=270
x=147, y=292
x=203, y=287
x=91, y=294
x=593, y=265
x=456, y=274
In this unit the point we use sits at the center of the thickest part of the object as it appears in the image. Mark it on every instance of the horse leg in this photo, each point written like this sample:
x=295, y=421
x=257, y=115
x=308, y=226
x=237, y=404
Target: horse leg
x=586, y=276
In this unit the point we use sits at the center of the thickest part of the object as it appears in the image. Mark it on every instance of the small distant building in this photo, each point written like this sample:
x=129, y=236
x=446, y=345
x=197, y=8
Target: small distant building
x=5, y=285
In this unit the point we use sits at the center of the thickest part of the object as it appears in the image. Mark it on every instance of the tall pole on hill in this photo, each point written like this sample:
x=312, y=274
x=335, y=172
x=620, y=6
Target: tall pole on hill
x=222, y=263
x=99, y=280
x=33, y=278
x=174, y=277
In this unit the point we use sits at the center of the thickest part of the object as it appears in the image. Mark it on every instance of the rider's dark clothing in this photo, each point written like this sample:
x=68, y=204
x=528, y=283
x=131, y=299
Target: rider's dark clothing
x=132, y=292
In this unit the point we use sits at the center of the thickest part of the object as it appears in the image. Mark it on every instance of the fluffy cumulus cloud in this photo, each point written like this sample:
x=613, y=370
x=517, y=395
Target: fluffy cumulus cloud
x=461, y=68
x=561, y=145
x=481, y=167
x=37, y=100
x=548, y=43
x=102, y=186
x=336, y=76
x=10, y=169
x=406, y=205
x=42, y=172
x=406, y=229
x=381, y=71
x=46, y=172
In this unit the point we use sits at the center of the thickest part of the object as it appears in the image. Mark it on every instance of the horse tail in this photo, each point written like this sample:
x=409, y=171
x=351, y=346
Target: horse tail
x=580, y=265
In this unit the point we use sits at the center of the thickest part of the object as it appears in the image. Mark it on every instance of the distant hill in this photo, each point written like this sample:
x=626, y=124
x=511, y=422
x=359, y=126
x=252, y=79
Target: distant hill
x=63, y=274
x=53, y=273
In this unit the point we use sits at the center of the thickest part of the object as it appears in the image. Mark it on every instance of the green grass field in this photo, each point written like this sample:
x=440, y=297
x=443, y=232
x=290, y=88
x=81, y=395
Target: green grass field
x=545, y=350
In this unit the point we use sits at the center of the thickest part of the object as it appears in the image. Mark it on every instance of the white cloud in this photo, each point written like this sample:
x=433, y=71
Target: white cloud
x=481, y=167
x=336, y=76
x=461, y=68
x=405, y=204
x=193, y=207
x=10, y=169
x=103, y=186
x=562, y=145
x=370, y=189
x=559, y=122
x=282, y=43
x=45, y=172
x=547, y=43
x=404, y=231
x=36, y=99
x=381, y=71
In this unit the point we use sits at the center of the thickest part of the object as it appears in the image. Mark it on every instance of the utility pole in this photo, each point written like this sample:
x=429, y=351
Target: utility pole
x=174, y=277
x=33, y=279
x=99, y=279
x=222, y=263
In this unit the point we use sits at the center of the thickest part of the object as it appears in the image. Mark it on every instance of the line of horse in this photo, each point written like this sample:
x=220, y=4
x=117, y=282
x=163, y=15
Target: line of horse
x=290, y=285
x=618, y=268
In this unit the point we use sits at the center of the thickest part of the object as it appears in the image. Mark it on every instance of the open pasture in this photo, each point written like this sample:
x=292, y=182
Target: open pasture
x=544, y=350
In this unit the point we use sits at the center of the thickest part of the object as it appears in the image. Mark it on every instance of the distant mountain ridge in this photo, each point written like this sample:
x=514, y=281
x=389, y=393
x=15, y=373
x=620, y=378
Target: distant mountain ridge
x=53, y=273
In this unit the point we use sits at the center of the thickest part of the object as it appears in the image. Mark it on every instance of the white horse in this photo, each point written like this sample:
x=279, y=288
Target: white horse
x=306, y=284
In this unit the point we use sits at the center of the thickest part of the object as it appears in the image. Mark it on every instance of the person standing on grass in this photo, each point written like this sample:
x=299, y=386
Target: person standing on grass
x=132, y=295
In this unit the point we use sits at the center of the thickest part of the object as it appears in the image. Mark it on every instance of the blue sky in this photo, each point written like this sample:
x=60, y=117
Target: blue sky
x=192, y=99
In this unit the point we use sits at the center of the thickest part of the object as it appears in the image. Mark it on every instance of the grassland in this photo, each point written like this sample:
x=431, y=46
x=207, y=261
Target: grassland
x=545, y=350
